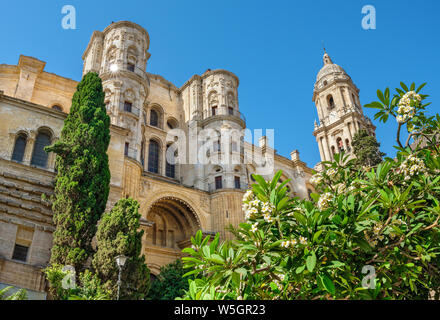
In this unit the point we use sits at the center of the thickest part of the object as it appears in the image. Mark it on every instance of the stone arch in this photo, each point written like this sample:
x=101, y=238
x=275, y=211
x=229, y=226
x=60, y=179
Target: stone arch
x=330, y=102
x=19, y=146
x=175, y=221
x=152, y=157
x=56, y=105
x=40, y=158
x=172, y=123
x=160, y=114
x=289, y=185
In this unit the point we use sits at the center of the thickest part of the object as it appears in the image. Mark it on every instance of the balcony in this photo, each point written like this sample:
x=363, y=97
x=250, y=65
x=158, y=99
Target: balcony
x=213, y=187
x=119, y=65
x=129, y=109
x=225, y=112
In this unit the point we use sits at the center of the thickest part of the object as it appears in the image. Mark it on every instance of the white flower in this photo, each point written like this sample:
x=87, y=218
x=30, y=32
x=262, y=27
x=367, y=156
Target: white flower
x=268, y=218
x=289, y=243
x=254, y=227
x=302, y=240
x=324, y=201
x=340, y=187
x=412, y=166
x=316, y=179
x=405, y=110
x=331, y=172
x=248, y=195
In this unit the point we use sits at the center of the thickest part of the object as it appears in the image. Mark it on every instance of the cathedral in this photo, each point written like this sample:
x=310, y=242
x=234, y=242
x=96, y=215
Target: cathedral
x=180, y=152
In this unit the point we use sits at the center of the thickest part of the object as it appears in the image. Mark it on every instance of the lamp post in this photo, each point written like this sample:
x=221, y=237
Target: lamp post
x=120, y=262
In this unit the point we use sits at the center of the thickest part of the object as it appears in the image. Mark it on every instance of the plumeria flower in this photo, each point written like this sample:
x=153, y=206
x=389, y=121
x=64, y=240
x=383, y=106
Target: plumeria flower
x=324, y=201
x=316, y=179
x=331, y=172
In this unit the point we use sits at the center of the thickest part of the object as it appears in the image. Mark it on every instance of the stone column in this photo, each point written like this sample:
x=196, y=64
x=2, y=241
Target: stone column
x=321, y=151
x=29, y=147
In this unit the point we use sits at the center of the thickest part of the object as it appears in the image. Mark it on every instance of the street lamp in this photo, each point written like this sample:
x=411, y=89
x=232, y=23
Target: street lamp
x=120, y=262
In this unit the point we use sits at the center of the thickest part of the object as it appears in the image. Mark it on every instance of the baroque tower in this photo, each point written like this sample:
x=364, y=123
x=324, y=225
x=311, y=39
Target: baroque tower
x=339, y=110
x=119, y=55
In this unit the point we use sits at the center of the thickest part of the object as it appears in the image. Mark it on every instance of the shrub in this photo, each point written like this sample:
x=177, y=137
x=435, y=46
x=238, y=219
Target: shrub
x=369, y=233
x=170, y=283
x=119, y=234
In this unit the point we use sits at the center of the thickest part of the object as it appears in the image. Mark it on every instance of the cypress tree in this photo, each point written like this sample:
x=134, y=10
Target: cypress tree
x=119, y=234
x=366, y=149
x=83, y=175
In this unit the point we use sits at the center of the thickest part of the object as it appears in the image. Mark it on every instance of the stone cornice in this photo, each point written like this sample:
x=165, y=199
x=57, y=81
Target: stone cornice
x=33, y=107
x=161, y=179
x=207, y=74
x=349, y=82
x=49, y=111
x=338, y=122
x=163, y=82
x=128, y=24
x=224, y=117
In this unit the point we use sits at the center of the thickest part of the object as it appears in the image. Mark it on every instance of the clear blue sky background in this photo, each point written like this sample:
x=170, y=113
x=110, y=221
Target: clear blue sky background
x=273, y=46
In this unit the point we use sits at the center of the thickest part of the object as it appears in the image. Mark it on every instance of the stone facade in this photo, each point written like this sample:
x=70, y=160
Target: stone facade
x=145, y=110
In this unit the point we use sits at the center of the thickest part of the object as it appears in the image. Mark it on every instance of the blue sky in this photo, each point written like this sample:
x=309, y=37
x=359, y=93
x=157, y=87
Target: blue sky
x=275, y=48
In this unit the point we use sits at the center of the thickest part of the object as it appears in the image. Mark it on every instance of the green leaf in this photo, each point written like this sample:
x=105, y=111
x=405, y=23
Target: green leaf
x=420, y=88
x=300, y=269
x=381, y=97
x=375, y=105
x=328, y=284
x=311, y=262
x=404, y=87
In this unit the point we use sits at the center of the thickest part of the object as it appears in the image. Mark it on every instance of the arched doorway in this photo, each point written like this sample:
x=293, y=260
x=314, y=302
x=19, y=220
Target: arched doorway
x=174, y=222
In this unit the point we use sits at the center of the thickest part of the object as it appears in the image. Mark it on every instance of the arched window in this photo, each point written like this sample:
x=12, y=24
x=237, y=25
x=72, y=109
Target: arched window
x=153, y=157
x=340, y=144
x=170, y=170
x=57, y=108
x=172, y=123
x=347, y=143
x=19, y=147
x=331, y=102
x=39, y=156
x=218, y=182
x=154, y=118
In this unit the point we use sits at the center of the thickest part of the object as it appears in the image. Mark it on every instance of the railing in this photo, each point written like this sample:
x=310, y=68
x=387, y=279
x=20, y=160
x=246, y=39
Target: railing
x=344, y=111
x=119, y=65
x=213, y=187
x=224, y=111
x=134, y=110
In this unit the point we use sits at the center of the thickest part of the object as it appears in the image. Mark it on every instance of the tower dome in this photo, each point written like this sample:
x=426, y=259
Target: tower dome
x=329, y=72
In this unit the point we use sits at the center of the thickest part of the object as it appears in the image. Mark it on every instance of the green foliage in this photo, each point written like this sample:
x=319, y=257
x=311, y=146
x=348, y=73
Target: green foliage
x=170, y=283
x=83, y=175
x=362, y=219
x=118, y=235
x=19, y=295
x=63, y=285
x=366, y=149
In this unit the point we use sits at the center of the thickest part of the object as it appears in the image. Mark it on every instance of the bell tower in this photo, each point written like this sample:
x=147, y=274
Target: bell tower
x=340, y=112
